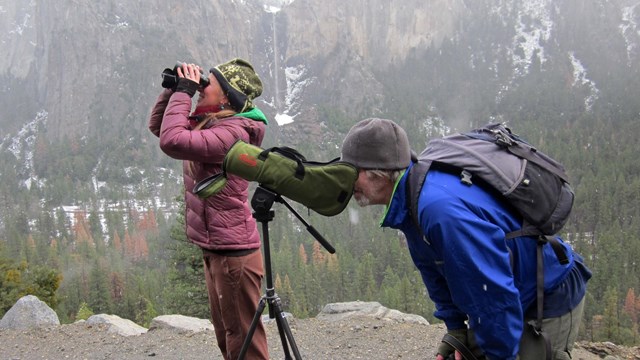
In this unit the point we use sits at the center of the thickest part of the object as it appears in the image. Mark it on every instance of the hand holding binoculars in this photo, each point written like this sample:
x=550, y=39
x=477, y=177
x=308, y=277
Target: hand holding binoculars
x=170, y=77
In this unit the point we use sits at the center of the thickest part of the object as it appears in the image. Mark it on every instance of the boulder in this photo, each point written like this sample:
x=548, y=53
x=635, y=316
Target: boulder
x=180, y=323
x=340, y=311
x=29, y=312
x=116, y=324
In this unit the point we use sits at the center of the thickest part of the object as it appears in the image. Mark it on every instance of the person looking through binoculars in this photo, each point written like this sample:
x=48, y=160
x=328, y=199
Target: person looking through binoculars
x=221, y=225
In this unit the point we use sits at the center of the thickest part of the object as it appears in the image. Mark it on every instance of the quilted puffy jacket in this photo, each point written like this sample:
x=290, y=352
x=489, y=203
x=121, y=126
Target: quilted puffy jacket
x=223, y=221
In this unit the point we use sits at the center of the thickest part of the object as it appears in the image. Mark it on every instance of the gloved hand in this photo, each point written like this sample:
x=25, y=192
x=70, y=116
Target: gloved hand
x=187, y=86
x=447, y=350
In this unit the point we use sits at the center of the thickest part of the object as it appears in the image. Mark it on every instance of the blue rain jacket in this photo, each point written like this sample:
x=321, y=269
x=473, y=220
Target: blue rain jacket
x=471, y=271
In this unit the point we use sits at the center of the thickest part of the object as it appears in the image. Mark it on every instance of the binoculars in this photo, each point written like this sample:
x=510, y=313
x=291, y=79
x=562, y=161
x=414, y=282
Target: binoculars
x=170, y=77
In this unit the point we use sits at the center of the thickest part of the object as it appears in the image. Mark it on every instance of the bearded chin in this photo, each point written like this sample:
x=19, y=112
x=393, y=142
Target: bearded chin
x=362, y=200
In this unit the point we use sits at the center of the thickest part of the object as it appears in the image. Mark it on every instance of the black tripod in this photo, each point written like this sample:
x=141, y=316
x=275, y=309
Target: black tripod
x=261, y=202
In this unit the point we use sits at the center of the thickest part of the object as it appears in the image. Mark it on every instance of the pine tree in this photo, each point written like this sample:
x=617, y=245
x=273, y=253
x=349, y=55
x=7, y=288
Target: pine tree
x=100, y=291
x=391, y=296
x=611, y=320
x=84, y=312
x=186, y=293
x=365, y=278
x=117, y=243
x=630, y=305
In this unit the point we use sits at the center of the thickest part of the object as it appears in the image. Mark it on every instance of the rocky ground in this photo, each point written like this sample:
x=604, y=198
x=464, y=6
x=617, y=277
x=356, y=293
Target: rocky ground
x=351, y=338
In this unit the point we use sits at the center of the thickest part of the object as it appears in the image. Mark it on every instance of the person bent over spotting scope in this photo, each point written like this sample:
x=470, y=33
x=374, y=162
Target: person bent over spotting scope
x=483, y=285
x=221, y=225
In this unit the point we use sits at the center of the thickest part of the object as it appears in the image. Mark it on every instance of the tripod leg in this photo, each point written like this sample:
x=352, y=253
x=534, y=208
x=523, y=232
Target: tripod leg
x=257, y=317
x=283, y=338
x=284, y=330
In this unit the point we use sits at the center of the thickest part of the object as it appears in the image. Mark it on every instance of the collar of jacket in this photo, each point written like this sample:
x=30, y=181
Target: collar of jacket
x=395, y=212
x=254, y=114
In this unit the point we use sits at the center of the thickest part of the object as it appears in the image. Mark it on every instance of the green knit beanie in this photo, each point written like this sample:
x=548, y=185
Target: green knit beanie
x=239, y=82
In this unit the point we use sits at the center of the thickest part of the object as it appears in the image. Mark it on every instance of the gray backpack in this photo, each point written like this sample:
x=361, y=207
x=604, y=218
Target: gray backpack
x=533, y=184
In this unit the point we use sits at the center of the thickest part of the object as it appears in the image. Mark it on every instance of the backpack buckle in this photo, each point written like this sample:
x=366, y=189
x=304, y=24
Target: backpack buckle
x=503, y=139
x=465, y=178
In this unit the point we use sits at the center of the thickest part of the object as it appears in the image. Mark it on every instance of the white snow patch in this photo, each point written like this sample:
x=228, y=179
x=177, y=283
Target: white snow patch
x=23, y=144
x=19, y=28
x=580, y=79
x=533, y=28
x=283, y=119
x=296, y=84
x=629, y=30
x=274, y=6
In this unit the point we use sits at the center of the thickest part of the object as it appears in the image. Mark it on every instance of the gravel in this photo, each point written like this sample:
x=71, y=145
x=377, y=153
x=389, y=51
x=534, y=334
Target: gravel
x=352, y=338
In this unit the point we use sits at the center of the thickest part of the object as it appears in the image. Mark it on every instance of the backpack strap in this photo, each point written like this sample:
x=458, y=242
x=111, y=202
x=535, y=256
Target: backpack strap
x=555, y=244
x=537, y=325
x=416, y=176
x=526, y=152
x=502, y=136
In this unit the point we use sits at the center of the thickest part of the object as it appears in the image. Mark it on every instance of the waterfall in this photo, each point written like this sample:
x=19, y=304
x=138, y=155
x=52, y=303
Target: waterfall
x=282, y=118
x=276, y=62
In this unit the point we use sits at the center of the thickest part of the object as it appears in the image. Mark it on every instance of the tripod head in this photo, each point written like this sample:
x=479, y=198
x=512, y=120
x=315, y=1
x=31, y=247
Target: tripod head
x=263, y=200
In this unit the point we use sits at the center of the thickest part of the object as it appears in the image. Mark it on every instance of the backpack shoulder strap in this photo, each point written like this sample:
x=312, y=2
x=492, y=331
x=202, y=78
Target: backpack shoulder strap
x=415, y=180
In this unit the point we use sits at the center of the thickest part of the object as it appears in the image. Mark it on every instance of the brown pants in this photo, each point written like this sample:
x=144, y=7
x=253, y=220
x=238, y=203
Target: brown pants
x=233, y=284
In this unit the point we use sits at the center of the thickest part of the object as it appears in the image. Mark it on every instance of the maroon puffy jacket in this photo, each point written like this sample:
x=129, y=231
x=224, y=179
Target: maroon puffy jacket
x=223, y=221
